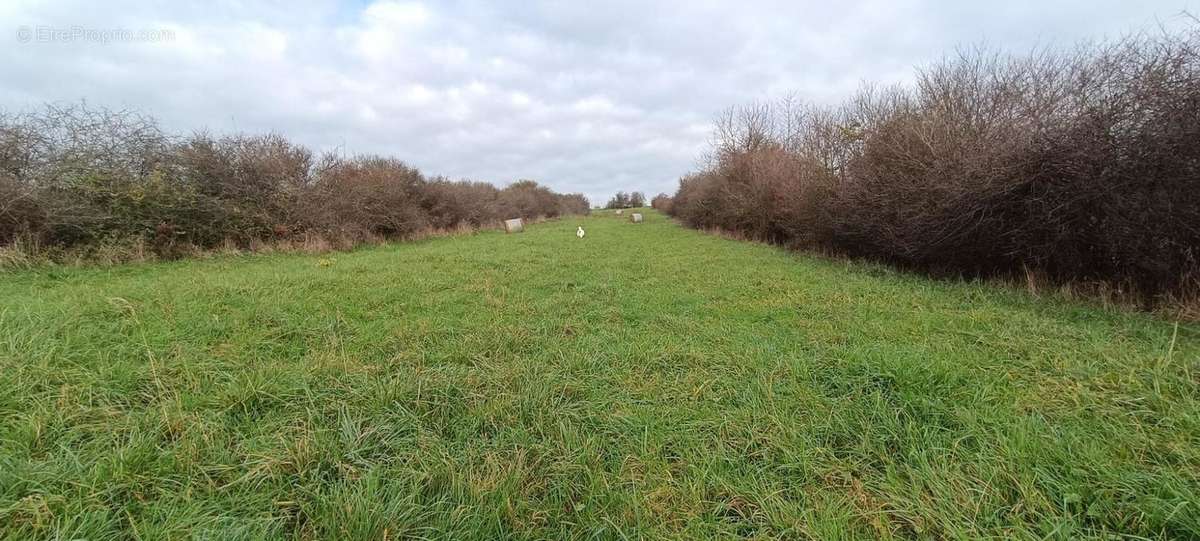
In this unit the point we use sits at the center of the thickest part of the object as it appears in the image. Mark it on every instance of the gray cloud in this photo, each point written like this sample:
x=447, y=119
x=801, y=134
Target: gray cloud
x=582, y=96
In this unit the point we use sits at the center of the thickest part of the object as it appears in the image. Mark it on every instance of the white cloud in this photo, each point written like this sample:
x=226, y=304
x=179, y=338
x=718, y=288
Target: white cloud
x=397, y=16
x=583, y=96
x=520, y=99
x=594, y=105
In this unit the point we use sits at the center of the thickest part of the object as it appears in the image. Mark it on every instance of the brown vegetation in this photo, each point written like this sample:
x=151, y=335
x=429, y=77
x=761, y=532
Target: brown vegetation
x=1080, y=167
x=77, y=180
x=661, y=202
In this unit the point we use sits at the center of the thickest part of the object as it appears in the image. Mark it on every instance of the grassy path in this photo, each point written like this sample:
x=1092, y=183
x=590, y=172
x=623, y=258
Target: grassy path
x=647, y=381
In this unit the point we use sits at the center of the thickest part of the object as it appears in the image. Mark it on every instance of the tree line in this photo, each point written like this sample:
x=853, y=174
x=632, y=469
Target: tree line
x=624, y=200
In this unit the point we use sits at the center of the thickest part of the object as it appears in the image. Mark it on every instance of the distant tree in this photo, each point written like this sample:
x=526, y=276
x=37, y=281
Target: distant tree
x=624, y=200
x=618, y=201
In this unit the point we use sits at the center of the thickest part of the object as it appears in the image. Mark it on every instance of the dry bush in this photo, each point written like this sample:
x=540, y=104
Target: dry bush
x=258, y=182
x=69, y=172
x=365, y=196
x=81, y=183
x=1083, y=166
x=528, y=199
x=661, y=203
x=20, y=211
x=451, y=204
x=573, y=203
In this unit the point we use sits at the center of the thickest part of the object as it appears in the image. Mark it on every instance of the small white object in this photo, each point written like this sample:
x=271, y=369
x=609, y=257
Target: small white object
x=580, y=232
x=620, y=212
x=636, y=217
x=514, y=225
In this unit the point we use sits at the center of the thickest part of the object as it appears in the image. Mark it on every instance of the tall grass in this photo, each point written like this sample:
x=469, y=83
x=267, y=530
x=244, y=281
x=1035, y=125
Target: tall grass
x=645, y=382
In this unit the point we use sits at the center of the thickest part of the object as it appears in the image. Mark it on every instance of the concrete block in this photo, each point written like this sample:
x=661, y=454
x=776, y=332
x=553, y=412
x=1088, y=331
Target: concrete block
x=620, y=212
x=515, y=225
x=636, y=217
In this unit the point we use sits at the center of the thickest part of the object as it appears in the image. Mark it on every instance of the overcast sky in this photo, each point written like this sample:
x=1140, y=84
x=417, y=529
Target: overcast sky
x=591, y=96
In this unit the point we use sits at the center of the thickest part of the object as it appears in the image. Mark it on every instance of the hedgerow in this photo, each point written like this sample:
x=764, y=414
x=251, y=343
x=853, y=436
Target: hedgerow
x=1079, y=166
x=74, y=178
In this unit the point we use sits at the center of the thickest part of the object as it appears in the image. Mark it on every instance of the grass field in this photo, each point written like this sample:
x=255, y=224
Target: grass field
x=648, y=381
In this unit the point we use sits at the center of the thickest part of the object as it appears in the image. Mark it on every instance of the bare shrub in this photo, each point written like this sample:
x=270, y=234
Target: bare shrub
x=661, y=203
x=365, y=196
x=452, y=204
x=1080, y=166
x=82, y=183
x=257, y=182
x=573, y=203
x=528, y=199
x=20, y=211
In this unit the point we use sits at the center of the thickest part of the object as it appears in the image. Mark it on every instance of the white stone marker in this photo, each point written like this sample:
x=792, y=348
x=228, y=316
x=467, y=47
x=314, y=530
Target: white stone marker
x=636, y=217
x=620, y=212
x=514, y=225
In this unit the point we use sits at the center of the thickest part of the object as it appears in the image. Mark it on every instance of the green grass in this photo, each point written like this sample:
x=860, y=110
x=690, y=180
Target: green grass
x=645, y=382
